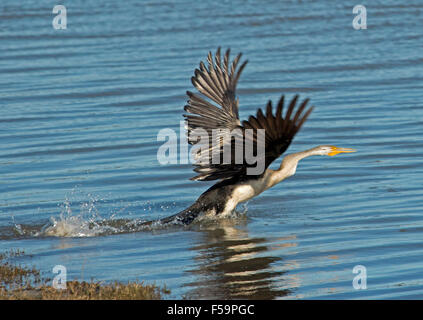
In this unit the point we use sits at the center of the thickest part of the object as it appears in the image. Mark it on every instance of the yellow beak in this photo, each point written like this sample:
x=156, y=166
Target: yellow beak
x=336, y=150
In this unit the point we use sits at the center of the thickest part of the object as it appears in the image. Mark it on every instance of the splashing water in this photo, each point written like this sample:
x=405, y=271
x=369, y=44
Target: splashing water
x=87, y=221
x=80, y=217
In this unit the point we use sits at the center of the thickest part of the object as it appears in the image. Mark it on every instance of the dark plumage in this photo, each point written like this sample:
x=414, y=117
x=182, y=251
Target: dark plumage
x=219, y=83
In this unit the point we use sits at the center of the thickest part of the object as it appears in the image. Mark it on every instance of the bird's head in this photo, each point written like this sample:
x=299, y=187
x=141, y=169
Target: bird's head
x=331, y=150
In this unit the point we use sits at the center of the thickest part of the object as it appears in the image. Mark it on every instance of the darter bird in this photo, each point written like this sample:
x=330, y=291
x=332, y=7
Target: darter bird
x=217, y=81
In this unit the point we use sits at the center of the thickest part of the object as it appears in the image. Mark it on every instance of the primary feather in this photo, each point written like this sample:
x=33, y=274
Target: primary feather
x=218, y=82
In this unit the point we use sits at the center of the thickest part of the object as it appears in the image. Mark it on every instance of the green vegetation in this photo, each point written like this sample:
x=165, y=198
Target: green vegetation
x=18, y=283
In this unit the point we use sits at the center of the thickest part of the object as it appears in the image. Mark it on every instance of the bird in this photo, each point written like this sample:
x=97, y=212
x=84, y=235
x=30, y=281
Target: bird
x=215, y=110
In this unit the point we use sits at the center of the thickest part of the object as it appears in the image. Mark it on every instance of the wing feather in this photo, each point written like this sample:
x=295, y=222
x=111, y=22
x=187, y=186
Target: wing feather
x=217, y=81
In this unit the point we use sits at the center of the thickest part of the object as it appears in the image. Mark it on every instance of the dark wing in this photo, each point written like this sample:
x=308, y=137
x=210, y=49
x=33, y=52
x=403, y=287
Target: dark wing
x=279, y=129
x=221, y=126
x=217, y=82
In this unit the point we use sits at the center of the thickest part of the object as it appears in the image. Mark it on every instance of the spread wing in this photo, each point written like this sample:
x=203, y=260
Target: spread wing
x=279, y=130
x=222, y=130
x=217, y=82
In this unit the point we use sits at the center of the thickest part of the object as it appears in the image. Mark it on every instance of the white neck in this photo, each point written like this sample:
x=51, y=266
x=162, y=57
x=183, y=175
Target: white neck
x=245, y=191
x=288, y=167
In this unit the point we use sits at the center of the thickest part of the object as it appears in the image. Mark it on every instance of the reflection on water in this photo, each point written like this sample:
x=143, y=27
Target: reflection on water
x=232, y=265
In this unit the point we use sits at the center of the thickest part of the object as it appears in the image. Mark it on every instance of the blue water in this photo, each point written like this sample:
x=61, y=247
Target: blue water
x=81, y=109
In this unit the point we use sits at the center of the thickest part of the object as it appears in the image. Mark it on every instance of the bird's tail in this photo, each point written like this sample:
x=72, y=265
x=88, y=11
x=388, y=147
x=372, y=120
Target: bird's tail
x=185, y=217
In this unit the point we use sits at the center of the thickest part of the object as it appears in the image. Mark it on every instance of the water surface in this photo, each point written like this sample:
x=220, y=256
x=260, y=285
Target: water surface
x=82, y=107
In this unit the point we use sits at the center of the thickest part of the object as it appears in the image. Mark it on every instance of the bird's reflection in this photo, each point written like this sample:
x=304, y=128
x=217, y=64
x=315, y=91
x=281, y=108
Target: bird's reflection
x=232, y=265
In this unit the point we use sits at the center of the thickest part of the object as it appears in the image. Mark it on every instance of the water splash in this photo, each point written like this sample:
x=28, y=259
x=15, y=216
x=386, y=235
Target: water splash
x=83, y=219
x=86, y=215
